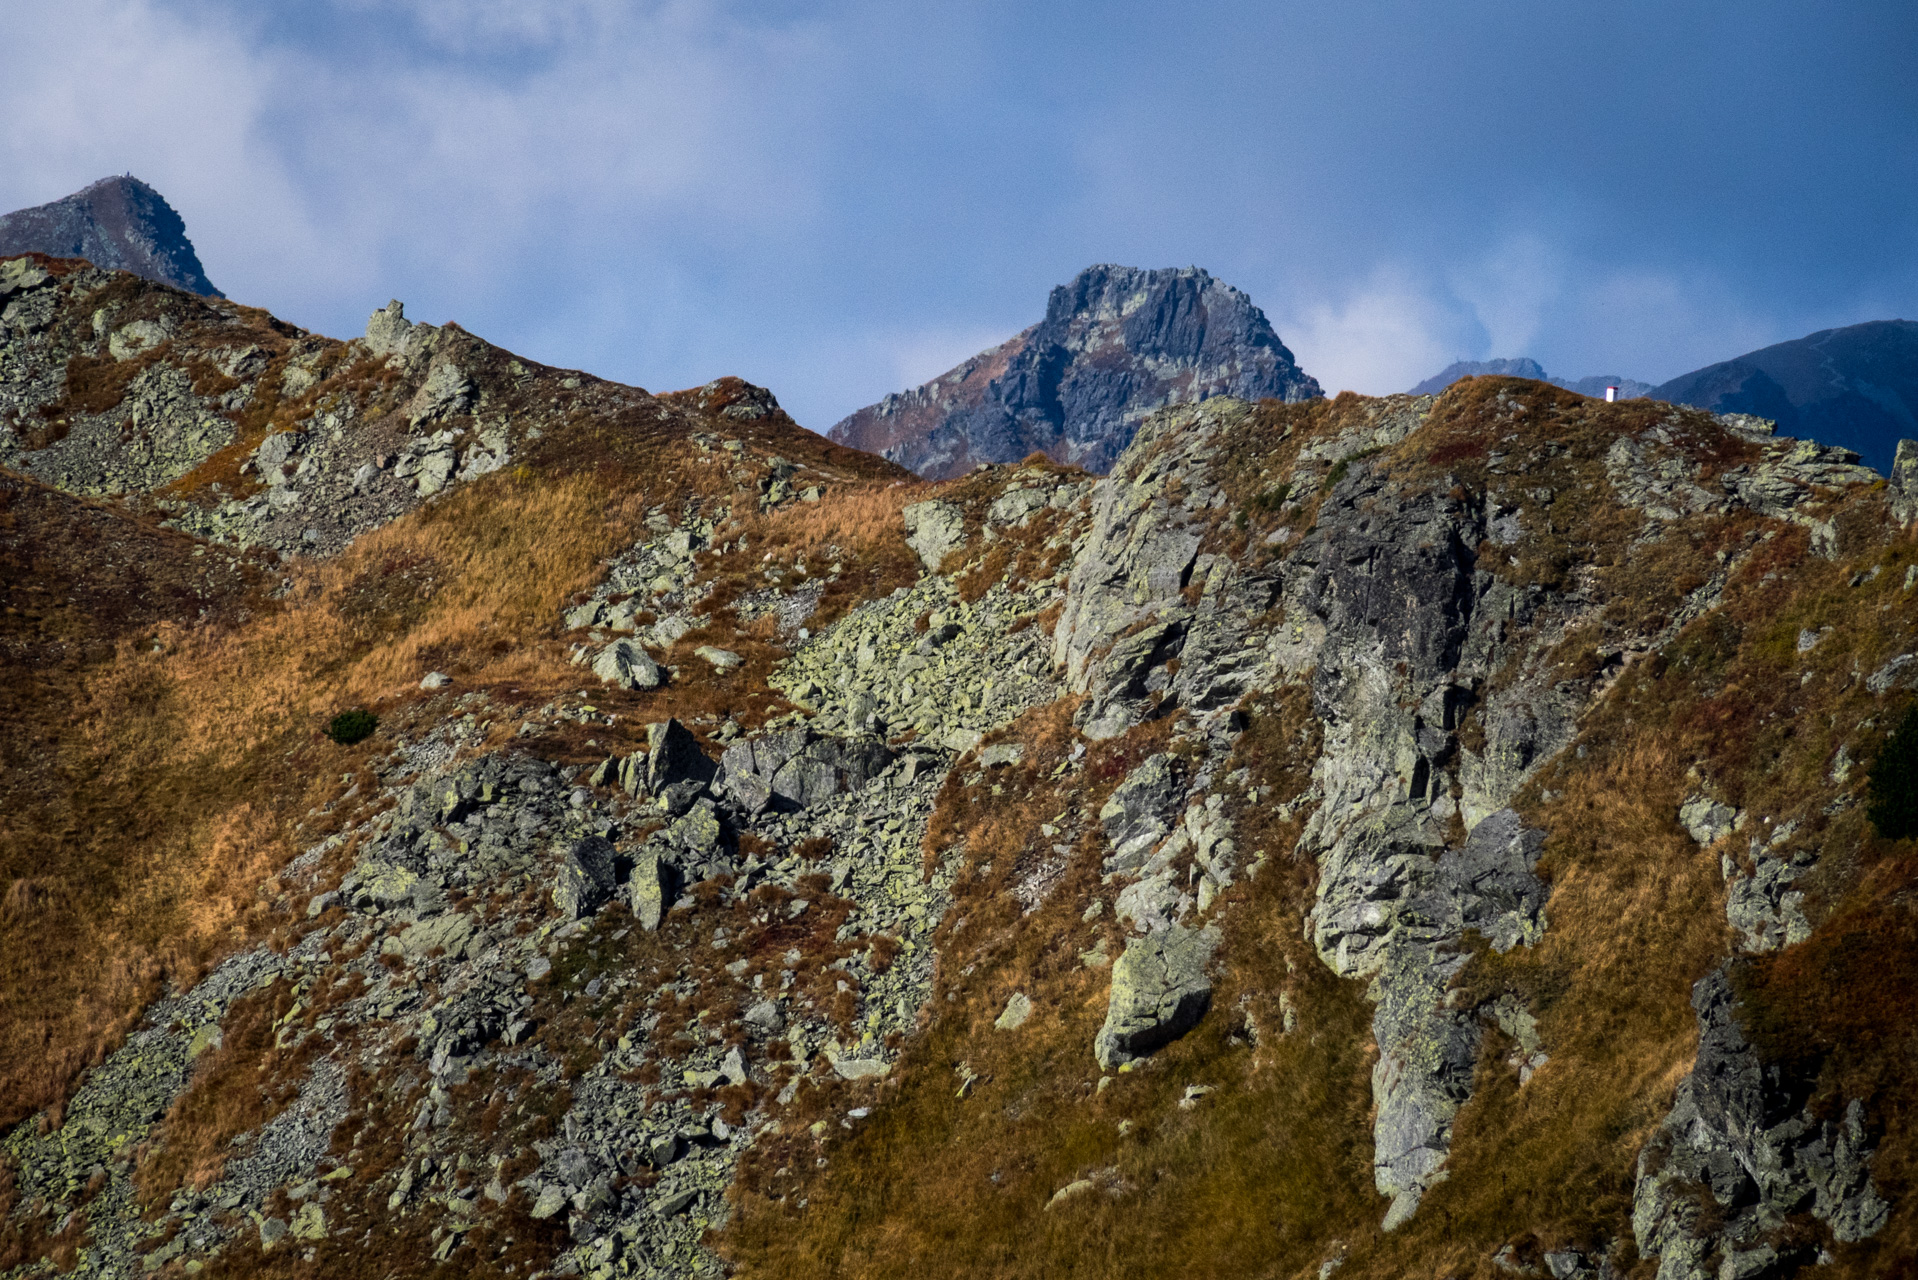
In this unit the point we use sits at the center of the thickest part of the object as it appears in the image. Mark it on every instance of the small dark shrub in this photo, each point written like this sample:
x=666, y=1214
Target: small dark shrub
x=1272, y=498
x=1894, y=782
x=352, y=726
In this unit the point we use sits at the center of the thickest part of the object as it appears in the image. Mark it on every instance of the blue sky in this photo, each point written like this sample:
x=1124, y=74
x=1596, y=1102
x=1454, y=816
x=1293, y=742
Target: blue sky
x=839, y=200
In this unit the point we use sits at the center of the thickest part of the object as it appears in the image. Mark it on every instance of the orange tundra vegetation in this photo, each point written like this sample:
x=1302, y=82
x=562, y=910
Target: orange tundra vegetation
x=164, y=766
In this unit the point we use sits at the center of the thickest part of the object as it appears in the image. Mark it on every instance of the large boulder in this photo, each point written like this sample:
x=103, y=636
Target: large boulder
x=673, y=756
x=650, y=888
x=586, y=877
x=933, y=529
x=1159, y=992
x=798, y=768
x=625, y=664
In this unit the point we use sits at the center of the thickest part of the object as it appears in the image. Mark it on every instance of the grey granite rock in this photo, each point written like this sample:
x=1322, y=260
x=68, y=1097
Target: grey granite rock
x=934, y=530
x=1744, y=1135
x=1159, y=991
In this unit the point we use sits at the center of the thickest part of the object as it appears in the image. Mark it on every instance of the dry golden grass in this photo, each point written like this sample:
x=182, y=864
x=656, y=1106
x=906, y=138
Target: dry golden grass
x=233, y=1089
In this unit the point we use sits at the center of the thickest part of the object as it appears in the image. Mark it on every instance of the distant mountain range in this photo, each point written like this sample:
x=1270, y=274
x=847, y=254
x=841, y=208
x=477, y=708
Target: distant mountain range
x=118, y=223
x=1522, y=367
x=1855, y=387
x=1116, y=343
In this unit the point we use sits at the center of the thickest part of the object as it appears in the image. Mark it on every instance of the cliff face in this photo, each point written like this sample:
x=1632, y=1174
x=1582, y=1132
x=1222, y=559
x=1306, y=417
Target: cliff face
x=1116, y=344
x=120, y=224
x=1418, y=835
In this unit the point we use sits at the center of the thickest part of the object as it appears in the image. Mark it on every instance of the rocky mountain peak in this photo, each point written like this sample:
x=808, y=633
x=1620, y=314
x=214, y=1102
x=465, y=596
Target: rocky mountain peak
x=119, y=223
x=1116, y=344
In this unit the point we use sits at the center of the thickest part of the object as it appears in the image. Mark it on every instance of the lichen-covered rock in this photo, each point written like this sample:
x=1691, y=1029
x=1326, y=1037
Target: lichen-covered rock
x=1018, y=1009
x=650, y=888
x=1705, y=820
x=1159, y=992
x=1761, y=905
x=933, y=530
x=626, y=665
x=717, y=658
x=586, y=877
x=446, y=935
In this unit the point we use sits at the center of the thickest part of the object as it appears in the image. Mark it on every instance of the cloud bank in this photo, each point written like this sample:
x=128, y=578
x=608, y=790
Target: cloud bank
x=841, y=199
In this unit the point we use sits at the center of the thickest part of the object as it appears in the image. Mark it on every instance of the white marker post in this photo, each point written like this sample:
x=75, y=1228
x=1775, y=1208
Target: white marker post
x=1611, y=394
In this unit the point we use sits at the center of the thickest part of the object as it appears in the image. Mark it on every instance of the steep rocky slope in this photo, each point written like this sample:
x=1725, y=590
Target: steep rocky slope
x=1419, y=835
x=1856, y=387
x=1116, y=344
x=119, y=223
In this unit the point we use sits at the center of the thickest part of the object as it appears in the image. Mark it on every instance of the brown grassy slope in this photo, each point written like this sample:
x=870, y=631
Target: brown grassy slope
x=86, y=589
x=159, y=761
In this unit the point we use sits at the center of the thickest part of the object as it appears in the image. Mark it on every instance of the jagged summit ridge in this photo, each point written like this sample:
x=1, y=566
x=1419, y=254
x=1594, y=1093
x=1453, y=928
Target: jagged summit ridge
x=119, y=223
x=1116, y=343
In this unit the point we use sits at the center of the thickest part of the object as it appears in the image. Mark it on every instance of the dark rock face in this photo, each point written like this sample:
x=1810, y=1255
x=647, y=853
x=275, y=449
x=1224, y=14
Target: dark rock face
x=798, y=768
x=1855, y=387
x=1743, y=1134
x=121, y=224
x=1116, y=343
x=1524, y=367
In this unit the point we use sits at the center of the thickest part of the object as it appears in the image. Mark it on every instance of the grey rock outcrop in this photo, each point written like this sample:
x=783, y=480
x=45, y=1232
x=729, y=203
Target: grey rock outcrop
x=1743, y=1135
x=1116, y=344
x=932, y=530
x=1159, y=992
x=118, y=223
x=1137, y=814
x=798, y=768
x=1904, y=482
x=388, y=331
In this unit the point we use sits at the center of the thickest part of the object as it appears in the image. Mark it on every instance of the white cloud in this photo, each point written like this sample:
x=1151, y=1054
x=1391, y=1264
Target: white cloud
x=313, y=179
x=1510, y=291
x=1383, y=335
